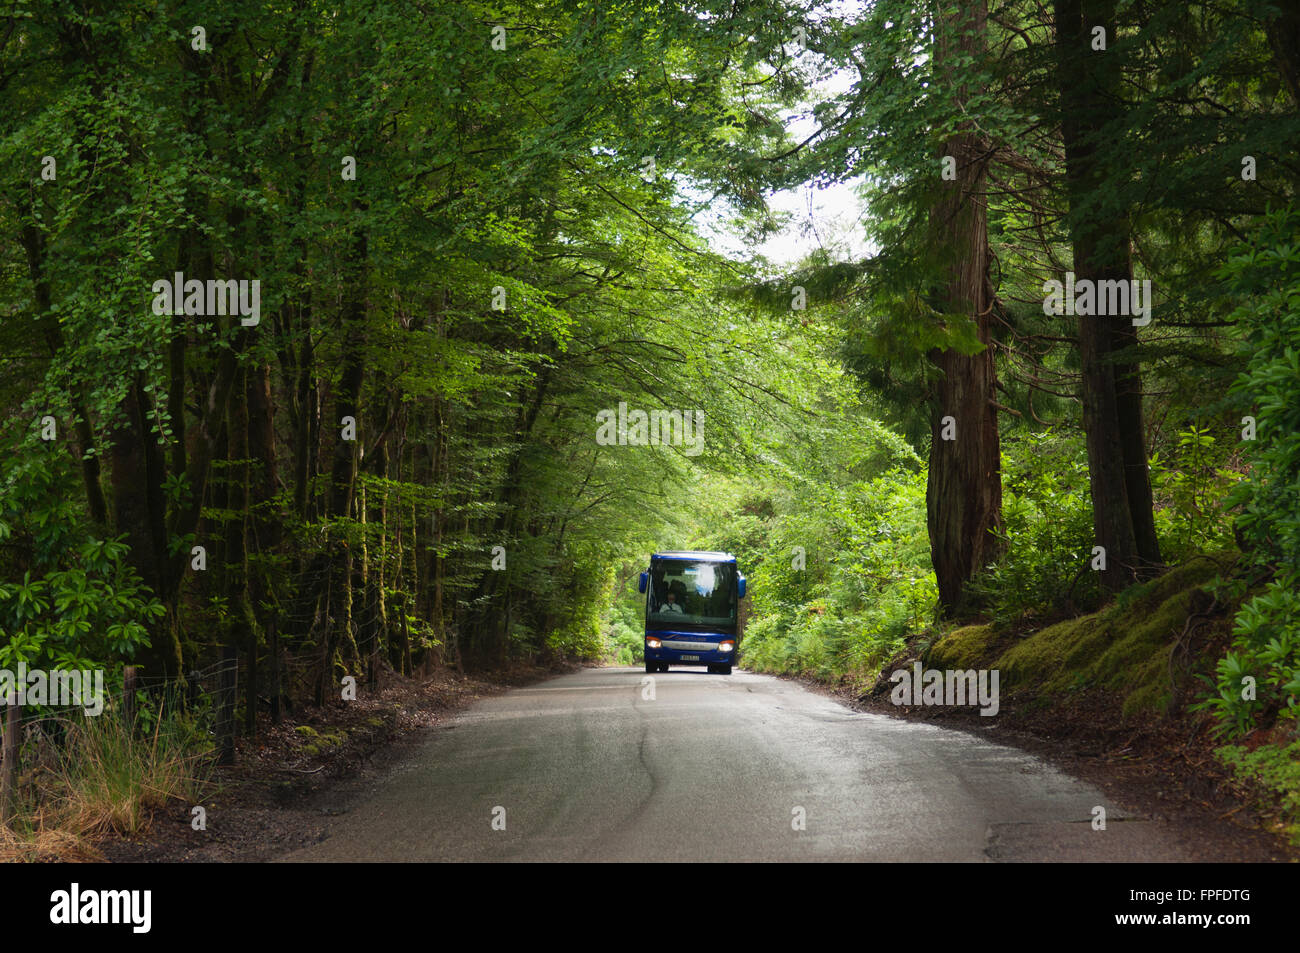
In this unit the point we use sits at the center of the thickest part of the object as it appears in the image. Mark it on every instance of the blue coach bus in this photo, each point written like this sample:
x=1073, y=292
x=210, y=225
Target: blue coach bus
x=691, y=610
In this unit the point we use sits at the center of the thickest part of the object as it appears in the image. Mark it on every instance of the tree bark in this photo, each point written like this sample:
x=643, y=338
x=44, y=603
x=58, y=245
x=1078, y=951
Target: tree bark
x=343, y=476
x=1110, y=390
x=138, y=509
x=964, y=488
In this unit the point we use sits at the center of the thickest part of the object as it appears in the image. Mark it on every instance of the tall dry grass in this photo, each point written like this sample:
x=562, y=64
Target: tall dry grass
x=106, y=777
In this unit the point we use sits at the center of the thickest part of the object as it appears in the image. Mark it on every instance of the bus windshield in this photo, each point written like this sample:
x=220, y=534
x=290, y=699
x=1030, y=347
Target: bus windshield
x=694, y=593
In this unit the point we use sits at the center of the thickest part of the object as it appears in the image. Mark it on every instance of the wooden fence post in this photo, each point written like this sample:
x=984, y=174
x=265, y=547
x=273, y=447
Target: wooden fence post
x=9, y=768
x=128, y=695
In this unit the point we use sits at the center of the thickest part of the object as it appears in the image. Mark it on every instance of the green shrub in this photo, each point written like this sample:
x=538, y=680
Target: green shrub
x=1265, y=273
x=623, y=628
x=1276, y=770
x=1190, y=489
x=1048, y=535
x=840, y=578
x=70, y=599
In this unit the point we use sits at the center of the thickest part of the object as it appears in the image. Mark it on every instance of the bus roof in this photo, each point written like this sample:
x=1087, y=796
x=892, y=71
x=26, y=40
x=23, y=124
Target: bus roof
x=699, y=556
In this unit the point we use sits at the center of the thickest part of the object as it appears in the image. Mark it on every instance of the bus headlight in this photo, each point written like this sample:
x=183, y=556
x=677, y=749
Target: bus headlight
x=652, y=643
x=726, y=646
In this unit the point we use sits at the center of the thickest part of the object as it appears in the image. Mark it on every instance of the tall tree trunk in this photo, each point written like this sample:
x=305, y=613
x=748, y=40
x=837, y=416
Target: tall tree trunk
x=347, y=403
x=1284, y=40
x=490, y=621
x=964, y=489
x=242, y=631
x=1123, y=517
x=378, y=563
x=1133, y=444
x=138, y=510
x=264, y=527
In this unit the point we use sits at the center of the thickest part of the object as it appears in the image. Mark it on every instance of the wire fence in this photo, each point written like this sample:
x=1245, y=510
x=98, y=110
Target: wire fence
x=49, y=708
x=298, y=659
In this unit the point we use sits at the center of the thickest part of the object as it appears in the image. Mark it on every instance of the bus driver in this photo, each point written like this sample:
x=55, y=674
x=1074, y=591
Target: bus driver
x=671, y=605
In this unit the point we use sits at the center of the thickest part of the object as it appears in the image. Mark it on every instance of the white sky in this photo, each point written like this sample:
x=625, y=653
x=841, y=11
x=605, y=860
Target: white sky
x=828, y=218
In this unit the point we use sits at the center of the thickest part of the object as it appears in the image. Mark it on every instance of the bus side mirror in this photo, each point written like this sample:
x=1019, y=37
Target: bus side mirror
x=741, y=582
x=641, y=585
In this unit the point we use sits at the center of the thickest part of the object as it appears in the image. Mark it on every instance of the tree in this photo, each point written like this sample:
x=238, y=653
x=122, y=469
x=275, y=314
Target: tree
x=1111, y=388
x=964, y=494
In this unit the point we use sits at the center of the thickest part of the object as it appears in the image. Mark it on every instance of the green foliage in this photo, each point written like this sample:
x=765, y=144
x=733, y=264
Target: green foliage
x=78, y=603
x=518, y=168
x=1273, y=770
x=838, y=559
x=1234, y=697
x=1265, y=275
x=1193, y=485
x=1047, y=530
x=625, y=628
x=577, y=632
x=522, y=169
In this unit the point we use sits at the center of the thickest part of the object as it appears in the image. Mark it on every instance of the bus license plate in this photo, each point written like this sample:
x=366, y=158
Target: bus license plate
x=690, y=658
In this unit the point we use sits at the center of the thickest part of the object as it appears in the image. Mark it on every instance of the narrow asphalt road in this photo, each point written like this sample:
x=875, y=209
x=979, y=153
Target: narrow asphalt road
x=593, y=766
